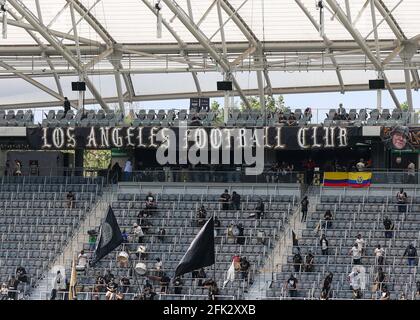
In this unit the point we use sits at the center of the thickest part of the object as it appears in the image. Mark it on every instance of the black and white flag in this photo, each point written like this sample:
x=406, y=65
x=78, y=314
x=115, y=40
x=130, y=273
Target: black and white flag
x=110, y=237
x=200, y=254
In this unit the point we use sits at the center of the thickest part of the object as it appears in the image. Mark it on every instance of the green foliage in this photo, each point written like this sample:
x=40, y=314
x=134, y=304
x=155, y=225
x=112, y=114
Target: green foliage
x=272, y=104
x=98, y=159
x=216, y=108
x=404, y=106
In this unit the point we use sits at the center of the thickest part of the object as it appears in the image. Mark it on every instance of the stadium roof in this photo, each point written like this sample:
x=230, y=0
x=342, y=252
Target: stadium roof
x=264, y=46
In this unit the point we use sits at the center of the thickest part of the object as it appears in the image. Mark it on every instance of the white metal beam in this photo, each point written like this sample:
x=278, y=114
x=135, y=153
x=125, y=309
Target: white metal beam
x=205, y=42
x=65, y=53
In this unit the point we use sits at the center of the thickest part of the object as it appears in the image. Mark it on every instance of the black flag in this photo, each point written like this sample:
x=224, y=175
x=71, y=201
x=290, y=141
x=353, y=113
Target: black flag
x=110, y=237
x=200, y=254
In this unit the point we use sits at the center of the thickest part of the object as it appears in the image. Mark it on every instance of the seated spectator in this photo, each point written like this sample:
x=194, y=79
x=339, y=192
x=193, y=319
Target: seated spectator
x=260, y=209
x=360, y=243
x=142, y=214
x=18, y=168
x=99, y=287
x=4, y=291
x=201, y=216
x=411, y=253
x=125, y=285
x=309, y=262
x=158, y=264
x=378, y=281
x=178, y=285
x=324, y=245
x=161, y=234
x=297, y=261
x=150, y=202
x=70, y=199
x=236, y=201
x=200, y=275
x=386, y=295
x=389, y=227
x=379, y=255
x=109, y=277
x=164, y=283
x=138, y=233
x=211, y=285
x=326, y=292
x=360, y=165
x=240, y=238
x=125, y=236
x=82, y=259
x=291, y=285
x=21, y=275
x=245, y=265
x=111, y=290
x=225, y=200
x=402, y=200
x=148, y=292
x=356, y=253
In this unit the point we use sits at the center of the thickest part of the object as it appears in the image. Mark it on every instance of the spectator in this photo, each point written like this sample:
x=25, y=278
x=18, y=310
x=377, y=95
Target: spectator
x=150, y=202
x=164, y=283
x=4, y=291
x=326, y=287
x=128, y=170
x=125, y=236
x=66, y=105
x=245, y=265
x=58, y=284
x=161, y=234
x=213, y=290
x=99, y=287
x=225, y=200
x=82, y=259
x=92, y=239
x=378, y=281
x=236, y=201
x=291, y=285
x=21, y=275
x=18, y=168
x=309, y=262
x=240, y=238
x=148, y=292
x=411, y=172
x=297, y=261
x=386, y=295
x=361, y=244
x=411, y=253
x=360, y=165
x=116, y=172
x=216, y=226
x=200, y=275
x=125, y=285
x=304, y=207
x=158, y=264
x=7, y=168
x=12, y=288
x=109, y=277
x=324, y=245
x=356, y=253
x=178, y=285
x=111, y=290
x=308, y=113
x=379, y=255
x=138, y=232
x=309, y=165
x=354, y=279
x=389, y=227
x=70, y=199
x=402, y=200
x=201, y=216
x=260, y=209
x=327, y=223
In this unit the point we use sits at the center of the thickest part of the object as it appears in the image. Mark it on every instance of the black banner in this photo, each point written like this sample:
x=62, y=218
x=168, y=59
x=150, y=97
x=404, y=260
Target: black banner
x=280, y=138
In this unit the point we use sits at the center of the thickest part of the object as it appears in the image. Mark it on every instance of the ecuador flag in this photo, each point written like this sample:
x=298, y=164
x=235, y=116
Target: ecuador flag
x=360, y=179
x=336, y=179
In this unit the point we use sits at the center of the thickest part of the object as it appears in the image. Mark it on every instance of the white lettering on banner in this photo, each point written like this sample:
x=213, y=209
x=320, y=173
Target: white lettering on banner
x=117, y=140
x=140, y=139
x=58, y=138
x=314, y=138
x=129, y=136
x=92, y=139
x=342, y=137
x=329, y=137
x=302, y=138
x=71, y=139
x=45, y=144
x=279, y=144
x=104, y=137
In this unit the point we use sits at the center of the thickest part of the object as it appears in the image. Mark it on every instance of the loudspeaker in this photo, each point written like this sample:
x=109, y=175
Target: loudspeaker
x=78, y=86
x=376, y=84
x=224, y=86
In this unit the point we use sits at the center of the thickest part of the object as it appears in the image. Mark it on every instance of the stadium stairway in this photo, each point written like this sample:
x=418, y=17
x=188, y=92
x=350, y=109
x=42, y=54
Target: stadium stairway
x=64, y=260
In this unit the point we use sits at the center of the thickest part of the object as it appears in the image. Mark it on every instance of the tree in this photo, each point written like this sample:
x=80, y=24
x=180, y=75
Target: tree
x=216, y=108
x=272, y=104
x=404, y=106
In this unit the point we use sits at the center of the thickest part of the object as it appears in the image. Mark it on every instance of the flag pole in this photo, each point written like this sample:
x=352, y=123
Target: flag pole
x=215, y=254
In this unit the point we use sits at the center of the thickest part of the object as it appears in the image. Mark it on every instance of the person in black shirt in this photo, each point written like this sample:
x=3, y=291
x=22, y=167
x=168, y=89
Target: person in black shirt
x=402, y=200
x=297, y=261
x=245, y=265
x=66, y=105
x=389, y=226
x=291, y=285
x=164, y=283
x=225, y=200
x=150, y=202
x=111, y=288
x=201, y=216
x=236, y=201
x=309, y=262
x=304, y=207
x=70, y=200
x=324, y=245
x=328, y=217
x=260, y=209
x=411, y=253
x=178, y=285
x=326, y=288
x=240, y=239
x=125, y=285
